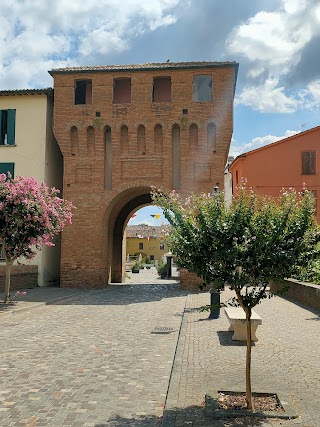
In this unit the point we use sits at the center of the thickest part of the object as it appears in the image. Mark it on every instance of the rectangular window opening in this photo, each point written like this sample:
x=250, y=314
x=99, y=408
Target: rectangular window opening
x=308, y=163
x=161, y=246
x=7, y=127
x=122, y=91
x=7, y=167
x=83, y=92
x=151, y=257
x=140, y=245
x=202, y=88
x=161, y=89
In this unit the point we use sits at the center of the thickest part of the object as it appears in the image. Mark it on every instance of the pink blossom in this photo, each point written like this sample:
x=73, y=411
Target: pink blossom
x=30, y=215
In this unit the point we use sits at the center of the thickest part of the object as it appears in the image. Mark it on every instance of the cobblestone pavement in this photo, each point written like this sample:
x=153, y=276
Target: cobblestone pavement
x=286, y=359
x=92, y=359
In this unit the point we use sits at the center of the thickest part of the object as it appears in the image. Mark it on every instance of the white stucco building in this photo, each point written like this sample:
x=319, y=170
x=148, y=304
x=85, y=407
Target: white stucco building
x=28, y=148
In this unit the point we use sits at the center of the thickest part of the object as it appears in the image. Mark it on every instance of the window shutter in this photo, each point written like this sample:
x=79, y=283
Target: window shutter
x=308, y=163
x=7, y=167
x=11, y=126
x=1, y=134
x=311, y=165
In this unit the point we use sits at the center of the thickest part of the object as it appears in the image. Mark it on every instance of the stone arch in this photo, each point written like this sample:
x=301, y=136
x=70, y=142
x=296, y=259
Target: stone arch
x=124, y=204
x=141, y=140
x=74, y=140
x=176, y=157
x=158, y=139
x=90, y=140
x=193, y=137
x=107, y=158
x=211, y=138
x=124, y=140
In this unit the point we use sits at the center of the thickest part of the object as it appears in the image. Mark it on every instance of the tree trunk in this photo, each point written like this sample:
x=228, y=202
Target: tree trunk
x=248, y=361
x=7, y=282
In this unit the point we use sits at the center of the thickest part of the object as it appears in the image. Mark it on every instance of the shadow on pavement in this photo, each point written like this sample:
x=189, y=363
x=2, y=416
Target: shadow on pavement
x=190, y=416
x=225, y=338
x=113, y=294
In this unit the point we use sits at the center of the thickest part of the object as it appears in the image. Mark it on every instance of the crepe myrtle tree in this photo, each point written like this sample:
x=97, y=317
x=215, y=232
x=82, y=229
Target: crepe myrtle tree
x=245, y=245
x=30, y=216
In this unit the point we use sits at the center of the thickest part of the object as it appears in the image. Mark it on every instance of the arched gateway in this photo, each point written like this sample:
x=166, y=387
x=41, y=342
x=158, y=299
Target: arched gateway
x=123, y=129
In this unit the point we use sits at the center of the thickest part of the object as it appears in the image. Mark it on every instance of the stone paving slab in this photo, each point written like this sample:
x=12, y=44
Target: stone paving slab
x=286, y=358
x=35, y=298
x=94, y=360
x=91, y=360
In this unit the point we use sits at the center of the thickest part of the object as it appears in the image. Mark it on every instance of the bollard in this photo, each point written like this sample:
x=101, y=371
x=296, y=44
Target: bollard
x=169, y=256
x=215, y=304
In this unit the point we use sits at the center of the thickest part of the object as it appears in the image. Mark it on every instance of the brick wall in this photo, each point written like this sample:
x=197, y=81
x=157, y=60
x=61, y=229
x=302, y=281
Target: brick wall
x=88, y=253
x=305, y=293
x=22, y=277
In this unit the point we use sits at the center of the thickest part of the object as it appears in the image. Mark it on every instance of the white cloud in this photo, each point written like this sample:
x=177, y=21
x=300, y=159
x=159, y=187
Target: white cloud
x=267, y=98
x=104, y=42
x=274, y=40
x=259, y=141
x=295, y=6
x=273, y=43
x=71, y=33
x=310, y=97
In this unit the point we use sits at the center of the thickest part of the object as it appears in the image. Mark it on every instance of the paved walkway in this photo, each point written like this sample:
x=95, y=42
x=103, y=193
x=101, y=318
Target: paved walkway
x=286, y=359
x=105, y=358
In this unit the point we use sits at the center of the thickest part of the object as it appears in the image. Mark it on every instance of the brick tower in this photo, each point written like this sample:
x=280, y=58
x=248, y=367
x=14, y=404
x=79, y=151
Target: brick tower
x=123, y=129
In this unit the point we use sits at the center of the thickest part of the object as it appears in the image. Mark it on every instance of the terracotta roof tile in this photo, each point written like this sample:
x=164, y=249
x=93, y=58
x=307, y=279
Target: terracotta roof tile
x=144, y=230
x=144, y=67
x=45, y=91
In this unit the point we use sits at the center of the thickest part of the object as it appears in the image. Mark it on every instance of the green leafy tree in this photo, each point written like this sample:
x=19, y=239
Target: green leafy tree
x=245, y=245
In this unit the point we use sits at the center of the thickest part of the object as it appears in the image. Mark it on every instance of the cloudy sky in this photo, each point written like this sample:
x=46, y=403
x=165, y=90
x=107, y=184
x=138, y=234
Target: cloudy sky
x=276, y=42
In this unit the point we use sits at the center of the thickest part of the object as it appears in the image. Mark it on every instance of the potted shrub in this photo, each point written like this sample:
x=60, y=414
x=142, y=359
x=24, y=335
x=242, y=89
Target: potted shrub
x=162, y=270
x=135, y=267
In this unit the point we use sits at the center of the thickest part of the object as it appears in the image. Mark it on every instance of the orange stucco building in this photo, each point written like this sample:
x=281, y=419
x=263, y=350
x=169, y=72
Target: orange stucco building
x=290, y=162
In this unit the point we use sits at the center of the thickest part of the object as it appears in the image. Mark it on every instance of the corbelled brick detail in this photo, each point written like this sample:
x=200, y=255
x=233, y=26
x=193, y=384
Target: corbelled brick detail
x=91, y=254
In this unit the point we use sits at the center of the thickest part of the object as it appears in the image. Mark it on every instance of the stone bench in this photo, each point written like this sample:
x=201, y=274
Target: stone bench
x=237, y=320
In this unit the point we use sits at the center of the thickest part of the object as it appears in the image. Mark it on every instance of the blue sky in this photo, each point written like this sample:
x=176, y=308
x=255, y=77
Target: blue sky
x=276, y=42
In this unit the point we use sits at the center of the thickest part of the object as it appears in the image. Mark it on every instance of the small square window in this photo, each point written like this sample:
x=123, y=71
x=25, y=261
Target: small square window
x=161, y=246
x=202, y=88
x=140, y=245
x=83, y=92
x=7, y=167
x=122, y=91
x=7, y=127
x=161, y=89
x=308, y=163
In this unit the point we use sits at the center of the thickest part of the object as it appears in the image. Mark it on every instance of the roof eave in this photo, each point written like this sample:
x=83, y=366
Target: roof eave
x=168, y=67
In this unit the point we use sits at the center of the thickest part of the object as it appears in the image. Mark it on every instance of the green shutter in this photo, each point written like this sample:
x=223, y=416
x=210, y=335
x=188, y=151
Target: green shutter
x=11, y=126
x=7, y=167
x=1, y=136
